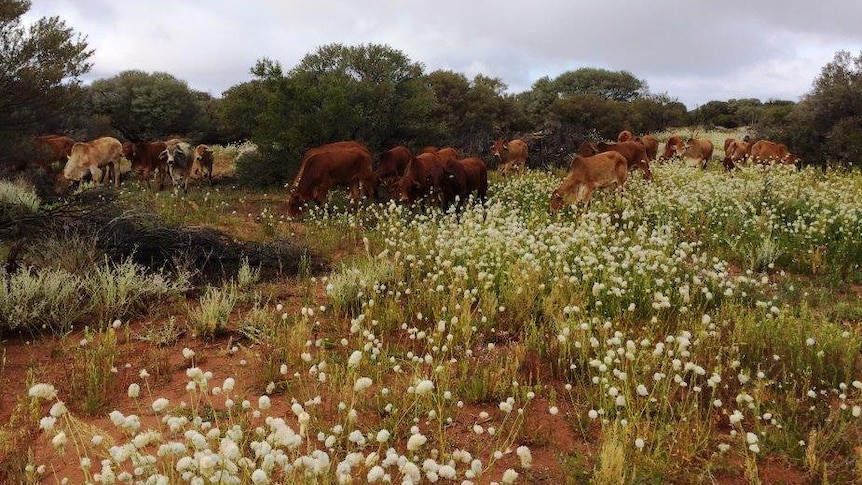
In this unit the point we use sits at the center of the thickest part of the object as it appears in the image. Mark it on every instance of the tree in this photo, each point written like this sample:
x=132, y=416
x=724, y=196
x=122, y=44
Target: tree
x=145, y=106
x=616, y=86
x=40, y=67
x=827, y=124
x=371, y=93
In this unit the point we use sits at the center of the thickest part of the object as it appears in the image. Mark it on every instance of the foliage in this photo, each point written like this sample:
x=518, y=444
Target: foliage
x=40, y=66
x=825, y=126
x=371, y=93
x=145, y=106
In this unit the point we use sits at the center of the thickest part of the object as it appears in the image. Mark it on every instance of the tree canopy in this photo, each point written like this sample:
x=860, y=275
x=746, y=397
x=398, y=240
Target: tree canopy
x=40, y=69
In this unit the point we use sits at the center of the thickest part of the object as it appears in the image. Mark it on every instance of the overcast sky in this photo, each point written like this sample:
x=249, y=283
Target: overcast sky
x=695, y=50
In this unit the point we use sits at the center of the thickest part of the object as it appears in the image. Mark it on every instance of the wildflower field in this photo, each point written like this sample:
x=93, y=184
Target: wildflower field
x=702, y=327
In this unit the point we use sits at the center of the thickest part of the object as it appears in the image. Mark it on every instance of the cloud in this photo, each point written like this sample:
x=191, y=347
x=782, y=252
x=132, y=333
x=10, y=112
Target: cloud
x=695, y=51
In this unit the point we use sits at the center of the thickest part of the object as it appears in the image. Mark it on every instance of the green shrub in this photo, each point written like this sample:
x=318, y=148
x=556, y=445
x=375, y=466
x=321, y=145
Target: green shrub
x=41, y=301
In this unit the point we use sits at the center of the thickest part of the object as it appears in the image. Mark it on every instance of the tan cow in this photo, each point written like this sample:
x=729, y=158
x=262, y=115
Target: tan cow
x=93, y=157
x=671, y=146
x=768, y=152
x=633, y=152
x=510, y=156
x=735, y=153
x=650, y=145
x=697, y=152
x=593, y=172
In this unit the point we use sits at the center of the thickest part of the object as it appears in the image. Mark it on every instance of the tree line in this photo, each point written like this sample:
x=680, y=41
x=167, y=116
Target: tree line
x=377, y=94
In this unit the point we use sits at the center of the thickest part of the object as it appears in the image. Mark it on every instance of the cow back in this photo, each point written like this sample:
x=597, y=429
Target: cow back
x=393, y=162
x=447, y=154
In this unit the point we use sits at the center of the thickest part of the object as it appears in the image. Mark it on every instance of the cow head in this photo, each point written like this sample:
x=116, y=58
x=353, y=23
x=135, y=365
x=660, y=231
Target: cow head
x=556, y=202
x=624, y=135
x=498, y=148
x=295, y=204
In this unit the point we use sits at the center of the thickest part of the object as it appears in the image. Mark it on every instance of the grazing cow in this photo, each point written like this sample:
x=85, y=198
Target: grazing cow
x=92, y=157
x=178, y=155
x=727, y=143
x=736, y=152
x=510, y=156
x=475, y=180
x=592, y=172
x=650, y=145
x=203, y=162
x=52, y=148
x=625, y=135
x=671, y=147
x=447, y=154
x=393, y=162
x=423, y=176
x=697, y=152
x=634, y=153
x=145, y=159
x=768, y=152
x=340, y=164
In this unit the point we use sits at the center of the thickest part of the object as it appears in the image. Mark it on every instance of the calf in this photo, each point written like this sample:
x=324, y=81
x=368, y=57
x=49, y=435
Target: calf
x=203, y=162
x=592, y=172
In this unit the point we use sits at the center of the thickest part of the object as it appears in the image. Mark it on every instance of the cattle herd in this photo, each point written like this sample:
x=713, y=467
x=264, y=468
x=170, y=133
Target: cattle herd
x=437, y=176
x=99, y=159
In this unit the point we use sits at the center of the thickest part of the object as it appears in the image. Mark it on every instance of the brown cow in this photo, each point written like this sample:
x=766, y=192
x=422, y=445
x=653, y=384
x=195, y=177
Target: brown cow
x=447, y=154
x=768, y=152
x=735, y=153
x=727, y=143
x=203, y=162
x=671, y=146
x=393, y=162
x=52, y=148
x=145, y=159
x=92, y=157
x=475, y=180
x=633, y=151
x=650, y=144
x=592, y=172
x=423, y=176
x=510, y=156
x=698, y=151
x=340, y=164
x=625, y=135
